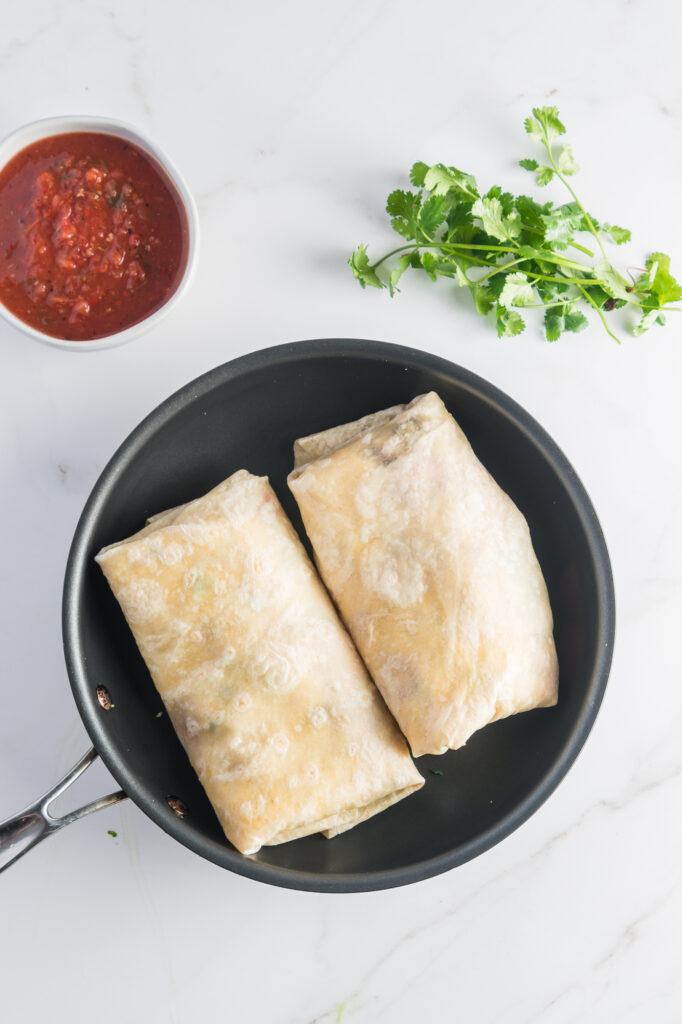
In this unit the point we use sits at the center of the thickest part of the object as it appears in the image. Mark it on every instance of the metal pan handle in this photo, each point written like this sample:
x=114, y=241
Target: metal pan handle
x=23, y=831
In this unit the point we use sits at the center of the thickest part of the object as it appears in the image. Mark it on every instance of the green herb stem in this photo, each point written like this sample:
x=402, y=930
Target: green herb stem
x=530, y=262
x=582, y=248
x=563, y=280
x=588, y=219
x=457, y=247
x=501, y=269
x=573, y=245
x=601, y=316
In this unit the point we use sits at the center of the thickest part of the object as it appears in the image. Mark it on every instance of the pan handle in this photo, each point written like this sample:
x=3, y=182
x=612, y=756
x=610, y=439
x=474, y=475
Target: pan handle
x=19, y=833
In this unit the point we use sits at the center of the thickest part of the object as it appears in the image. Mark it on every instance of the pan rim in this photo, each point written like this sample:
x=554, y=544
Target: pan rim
x=270, y=358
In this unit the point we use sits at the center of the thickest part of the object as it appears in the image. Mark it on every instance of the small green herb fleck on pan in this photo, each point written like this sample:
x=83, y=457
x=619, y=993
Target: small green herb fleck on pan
x=513, y=252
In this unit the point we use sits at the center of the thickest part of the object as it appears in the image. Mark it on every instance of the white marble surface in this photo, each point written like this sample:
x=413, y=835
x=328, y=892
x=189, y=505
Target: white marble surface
x=291, y=122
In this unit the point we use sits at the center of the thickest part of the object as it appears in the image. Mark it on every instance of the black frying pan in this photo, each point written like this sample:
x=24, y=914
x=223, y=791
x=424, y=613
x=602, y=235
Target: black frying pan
x=246, y=414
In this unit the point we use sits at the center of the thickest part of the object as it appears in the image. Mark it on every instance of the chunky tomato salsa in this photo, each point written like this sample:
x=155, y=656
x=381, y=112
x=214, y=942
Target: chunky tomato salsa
x=93, y=236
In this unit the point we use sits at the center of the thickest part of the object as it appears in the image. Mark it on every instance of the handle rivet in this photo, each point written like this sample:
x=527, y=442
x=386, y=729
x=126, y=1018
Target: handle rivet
x=177, y=806
x=104, y=698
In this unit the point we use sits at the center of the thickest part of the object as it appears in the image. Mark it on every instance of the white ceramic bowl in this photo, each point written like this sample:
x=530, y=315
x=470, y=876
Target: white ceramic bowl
x=49, y=126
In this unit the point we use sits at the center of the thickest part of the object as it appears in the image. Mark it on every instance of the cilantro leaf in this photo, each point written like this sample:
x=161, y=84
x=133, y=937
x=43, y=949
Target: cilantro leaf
x=647, y=321
x=484, y=298
x=429, y=263
x=661, y=283
x=544, y=124
x=616, y=234
x=403, y=263
x=402, y=204
x=575, y=209
x=575, y=321
x=509, y=322
x=506, y=199
x=418, y=173
x=550, y=291
x=560, y=226
x=512, y=251
x=517, y=291
x=403, y=208
x=531, y=214
x=433, y=213
x=554, y=325
x=359, y=264
x=495, y=223
x=565, y=161
x=459, y=216
x=558, y=320
x=544, y=173
x=612, y=282
x=441, y=180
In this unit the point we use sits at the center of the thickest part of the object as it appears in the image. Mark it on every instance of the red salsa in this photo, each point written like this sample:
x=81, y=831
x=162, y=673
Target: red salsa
x=93, y=236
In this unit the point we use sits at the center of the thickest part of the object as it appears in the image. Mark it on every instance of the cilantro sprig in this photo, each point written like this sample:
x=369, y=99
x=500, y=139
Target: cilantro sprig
x=513, y=252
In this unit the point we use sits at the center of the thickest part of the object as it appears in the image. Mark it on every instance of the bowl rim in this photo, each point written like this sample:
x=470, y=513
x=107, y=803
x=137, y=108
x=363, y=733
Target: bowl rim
x=46, y=127
x=78, y=564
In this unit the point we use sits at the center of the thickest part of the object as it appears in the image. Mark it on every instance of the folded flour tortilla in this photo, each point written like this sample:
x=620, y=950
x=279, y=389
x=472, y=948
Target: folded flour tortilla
x=432, y=568
x=275, y=709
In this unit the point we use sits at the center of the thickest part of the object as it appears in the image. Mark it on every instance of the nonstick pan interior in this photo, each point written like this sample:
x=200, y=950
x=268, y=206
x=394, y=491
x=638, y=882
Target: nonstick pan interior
x=247, y=414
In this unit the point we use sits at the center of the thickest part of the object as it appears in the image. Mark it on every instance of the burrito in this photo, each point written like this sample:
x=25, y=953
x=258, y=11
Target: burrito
x=280, y=720
x=432, y=568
